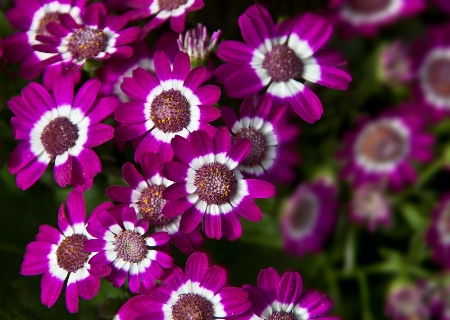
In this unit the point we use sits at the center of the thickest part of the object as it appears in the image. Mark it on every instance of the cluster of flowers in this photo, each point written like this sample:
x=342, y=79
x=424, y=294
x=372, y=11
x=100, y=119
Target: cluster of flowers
x=197, y=178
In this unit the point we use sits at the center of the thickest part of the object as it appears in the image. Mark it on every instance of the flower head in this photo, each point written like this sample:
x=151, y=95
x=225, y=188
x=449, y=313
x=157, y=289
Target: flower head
x=196, y=294
x=396, y=65
x=195, y=42
x=59, y=129
x=278, y=57
x=405, y=302
x=209, y=185
x=308, y=217
x=59, y=256
x=438, y=234
x=122, y=249
x=175, y=104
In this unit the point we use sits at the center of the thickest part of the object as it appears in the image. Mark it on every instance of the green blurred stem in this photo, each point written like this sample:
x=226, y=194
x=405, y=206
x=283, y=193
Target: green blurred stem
x=429, y=172
x=331, y=279
x=366, y=313
x=350, y=250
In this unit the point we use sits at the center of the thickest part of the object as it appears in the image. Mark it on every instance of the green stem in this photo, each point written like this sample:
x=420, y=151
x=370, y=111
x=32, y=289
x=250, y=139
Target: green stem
x=366, y=313
x=350, y=251
x=429, y=172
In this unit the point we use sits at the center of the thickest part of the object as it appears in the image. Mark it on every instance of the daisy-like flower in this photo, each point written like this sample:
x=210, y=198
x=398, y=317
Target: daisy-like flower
x=396, y=63
x=283, y=299
x=381, y=150
x=98, y=36
x=122, y=249
x=278, y=57
x=269, y=139
x=60, y=256
x=163, y=10
x=432, y=61
x=59, y=129
x=209, y=185
x=405, y=301
x=175, y=104
x=145, y=196
x=367, y=16
x=197, y=294
x=369, y=204
x=438, y=234
x=308, y=217
x=32, y=18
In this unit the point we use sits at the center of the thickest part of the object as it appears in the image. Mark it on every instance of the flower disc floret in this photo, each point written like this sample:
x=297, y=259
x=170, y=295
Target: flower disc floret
x=59, y=136
x=86, y=43
x=216, y=183
x=282, y=64
x=193, y=307
x=70, y=254
x=170, y=111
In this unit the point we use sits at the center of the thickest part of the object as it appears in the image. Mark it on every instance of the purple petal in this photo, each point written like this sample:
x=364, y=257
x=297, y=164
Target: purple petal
x=269, y=281
x=214, y=279
x=37, y=98
x=249, y=210
x=196, y=267
x=181, y=66
x=313, y=29
x=183, y=149
x=28, y=175
x=209, y=113
x=103, y=108
x=63, y=91
x=87, y=163
x=195, y=78
x=254, y=28
x=162, y=67
x=20, y=157
x=331, y=77
x=213, y=226
x=48, y=234
x=63, y=172
x=201, y=143
x=176, y=207
x=260, y=188
x=86, y=95
x=72, y=295
x=190, y=219
x=208, y=95
x=240, y=150
x=231, y=226
x=315, y=302
x=177, y=22
x=222, y=140
x=175, y=191
x=244, y=83
x=99, y=133
x=290, y=289
x=50, y=289
x=235, y=52
x=76, y=208
x=228, y=115
x=119, y=194
x=88, y=287
x=234, y=301
x=145, y=80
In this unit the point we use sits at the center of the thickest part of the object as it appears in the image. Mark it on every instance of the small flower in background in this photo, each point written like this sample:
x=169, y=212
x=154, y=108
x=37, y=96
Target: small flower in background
x=278, y=57
x=382, y=150
x=369, y=205
x=197, y=294
x=173, y=104
x=145, y=196
x=121, y=249
x=432, y=62
x=396, y=63
x=98, y=36
x=32, y=19
x=283, y=299
x=438, y=234
x=368, y=16
x=406, y=302
x=308, y=217
x=209, y=187
x=163, y=10
x=60, y=256
x=59, y=129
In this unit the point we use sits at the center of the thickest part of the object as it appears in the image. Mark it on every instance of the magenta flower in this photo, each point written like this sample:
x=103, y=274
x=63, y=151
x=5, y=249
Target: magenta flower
x=208, y=184
x=145, y=196
x=308, y=217
x=121, y=249
x=405, y=302
x=59, y=129
x=173, y=104
x=278, y=57
x=283, y=299
x=32, y=19
x=59, y=256
x=271, y=156
x=163, y=10
x=196, y=294
x=438, y=234
x=383, y=149
x=98, y=36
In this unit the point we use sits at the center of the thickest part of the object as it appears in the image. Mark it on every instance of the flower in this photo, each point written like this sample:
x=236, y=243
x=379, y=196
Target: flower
x=276, y=298
x=98, y=36
x=161, y=109
x=369, y=204
x=277, y=57
x=163, y=10
x=121, y=248
x=405, y=302
x=145, y=196
x=438, y=234
x=432, y=61
x=32, y=19
x=270, y=138
x=382, y=149
x=367, y=16
x=396, y=65
x=308, y=217
x=60, y=256
x=197, y=294
x=209, y=185
x=59, y=129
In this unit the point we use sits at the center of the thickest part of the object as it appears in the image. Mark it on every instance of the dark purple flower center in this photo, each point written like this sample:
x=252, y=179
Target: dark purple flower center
x=215, y=183
x=383, y=144
x=439, y=76
x=59, y=136
x=49, y=17
x=150, y=205
x=170, y=4
x=259, y=148
x=170, y=111
x=130, y=246
x=70, y=254
x=368, y=6
x=282, y=64
x=86, y=43
x=281, y=315
x=191, y=306
x=304, y=213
